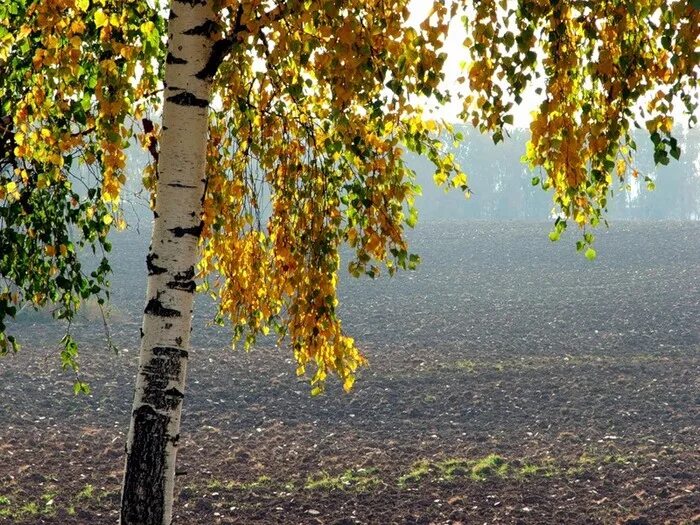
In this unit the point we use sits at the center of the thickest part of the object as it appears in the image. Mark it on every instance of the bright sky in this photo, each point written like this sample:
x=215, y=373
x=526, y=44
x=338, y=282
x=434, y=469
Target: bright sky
x=456, y=54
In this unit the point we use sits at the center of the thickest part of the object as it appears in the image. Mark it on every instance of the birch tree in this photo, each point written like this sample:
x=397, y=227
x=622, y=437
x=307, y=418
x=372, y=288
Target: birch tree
x=282, y=134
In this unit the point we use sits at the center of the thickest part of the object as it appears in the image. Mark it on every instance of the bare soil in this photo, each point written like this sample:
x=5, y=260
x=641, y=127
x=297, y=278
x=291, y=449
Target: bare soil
x=507, y=385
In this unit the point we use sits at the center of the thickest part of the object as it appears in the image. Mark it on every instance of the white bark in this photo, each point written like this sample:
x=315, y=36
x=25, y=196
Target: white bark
x=152, y=442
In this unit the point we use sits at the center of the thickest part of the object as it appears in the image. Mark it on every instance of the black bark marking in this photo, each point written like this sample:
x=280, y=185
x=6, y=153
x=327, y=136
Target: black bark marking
x=238, y=32
x=155, y=214
x=223, y=47
x=173, y=16
x=174, y=392
x=143, y=500
x=219, y=50
x=152, y=145
x=172, y=59
x=186, y=275
x=178, y=185
x=153, y=268
x=169, y=351
x=196, y=231
x=178, y=340
x=185, y=286
x=206, y=29
x=141, y=332
x=183, y=281
x=192, y=2
x=188, y=99
x=165, y=366
x=155, y=307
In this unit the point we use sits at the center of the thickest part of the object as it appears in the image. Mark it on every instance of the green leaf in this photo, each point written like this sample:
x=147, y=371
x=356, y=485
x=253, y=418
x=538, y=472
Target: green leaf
x=412, y=218
x=591, y=254
x=80, y=387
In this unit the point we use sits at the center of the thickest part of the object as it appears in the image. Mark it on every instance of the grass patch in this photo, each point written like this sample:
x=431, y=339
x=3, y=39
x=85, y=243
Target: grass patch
x=492, y=465
x=217, y=484
x=419, y=470
x=450, y=468
x=528, y=470
x=256, y=484
x=583, y=464
x=87, y=492
x=617, y=459
x=465, y=364
x=28, y=509
x=359, y=480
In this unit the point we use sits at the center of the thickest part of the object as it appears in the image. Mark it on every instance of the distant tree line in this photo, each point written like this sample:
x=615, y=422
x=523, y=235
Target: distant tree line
x=502, y=186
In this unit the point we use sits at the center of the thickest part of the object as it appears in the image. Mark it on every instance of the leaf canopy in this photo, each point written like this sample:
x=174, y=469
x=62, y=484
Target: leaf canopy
x=316, y=104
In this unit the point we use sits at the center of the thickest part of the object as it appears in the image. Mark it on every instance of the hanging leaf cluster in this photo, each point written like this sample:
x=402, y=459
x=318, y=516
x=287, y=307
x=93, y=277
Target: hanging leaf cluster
x=73, y=74
x=601, y=69
x=315, y=109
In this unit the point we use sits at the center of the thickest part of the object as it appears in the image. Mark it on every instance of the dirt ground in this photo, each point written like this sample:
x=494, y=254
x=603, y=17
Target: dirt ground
x=576, y=404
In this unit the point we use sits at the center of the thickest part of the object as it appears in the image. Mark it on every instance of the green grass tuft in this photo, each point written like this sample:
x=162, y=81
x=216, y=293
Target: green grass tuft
x=87, y=492
x=359, y=480
x=465, y=364
x=419, y=470
x=492, y=465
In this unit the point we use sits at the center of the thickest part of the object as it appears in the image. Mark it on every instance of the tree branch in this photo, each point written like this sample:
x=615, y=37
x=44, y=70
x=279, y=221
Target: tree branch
x=240, y=30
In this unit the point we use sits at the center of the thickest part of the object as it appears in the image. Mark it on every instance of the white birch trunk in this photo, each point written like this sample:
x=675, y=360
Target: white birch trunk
x=149, y=479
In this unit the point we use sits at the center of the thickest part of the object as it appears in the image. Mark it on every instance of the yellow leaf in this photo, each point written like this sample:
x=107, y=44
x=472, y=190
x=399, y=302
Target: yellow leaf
x=101, y=18
x=24, y=32
x=147, y=28
x=107, y=219
x=83, y=5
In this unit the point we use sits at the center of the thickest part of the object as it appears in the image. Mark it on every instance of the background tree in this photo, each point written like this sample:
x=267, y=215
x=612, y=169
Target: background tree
x=315, y=104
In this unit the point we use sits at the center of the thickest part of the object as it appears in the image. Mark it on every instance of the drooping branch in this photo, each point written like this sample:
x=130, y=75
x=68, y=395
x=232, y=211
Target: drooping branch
x=238, y=32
